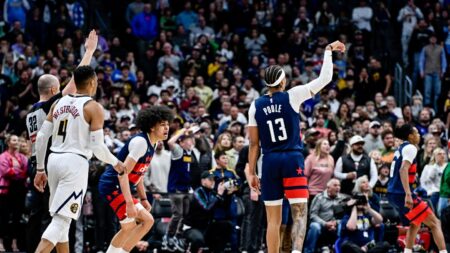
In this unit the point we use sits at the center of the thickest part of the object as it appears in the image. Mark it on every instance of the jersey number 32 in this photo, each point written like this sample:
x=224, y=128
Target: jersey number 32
x=281, y=128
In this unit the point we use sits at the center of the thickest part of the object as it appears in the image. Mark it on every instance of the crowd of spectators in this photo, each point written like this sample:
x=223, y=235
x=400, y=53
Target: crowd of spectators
x=205, y=61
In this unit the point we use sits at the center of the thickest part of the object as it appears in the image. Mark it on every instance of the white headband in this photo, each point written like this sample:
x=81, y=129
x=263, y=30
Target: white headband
x=278, y=81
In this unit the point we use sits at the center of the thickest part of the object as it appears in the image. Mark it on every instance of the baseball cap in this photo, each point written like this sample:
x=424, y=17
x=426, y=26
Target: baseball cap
x=124, y=66
x=194, y=129
x=311, y=132
x=374, y=123
x=124, y=117
x=356, y=139
x=194, y=103
x=132, y=126
x=170, y=104
x=323, y=107
x=383, y=104
x=207, y=174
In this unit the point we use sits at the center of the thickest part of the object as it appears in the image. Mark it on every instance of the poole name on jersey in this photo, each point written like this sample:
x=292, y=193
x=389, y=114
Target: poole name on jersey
x=272, y=109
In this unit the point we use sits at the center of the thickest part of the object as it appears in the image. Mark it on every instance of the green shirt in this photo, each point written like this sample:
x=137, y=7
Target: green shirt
x=445, y=183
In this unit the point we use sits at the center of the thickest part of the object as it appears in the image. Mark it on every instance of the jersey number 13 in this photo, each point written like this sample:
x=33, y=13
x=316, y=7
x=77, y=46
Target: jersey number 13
x=281, y=128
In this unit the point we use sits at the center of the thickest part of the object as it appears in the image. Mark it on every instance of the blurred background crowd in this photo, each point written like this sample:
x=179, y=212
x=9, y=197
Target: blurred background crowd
x=205, y=61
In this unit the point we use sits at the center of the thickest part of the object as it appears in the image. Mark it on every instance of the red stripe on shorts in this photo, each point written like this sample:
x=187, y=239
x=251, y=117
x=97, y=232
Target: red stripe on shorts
x=295, y=181
x=119, y=206
x=117, y=201
x=419, y=213
x=296, y=194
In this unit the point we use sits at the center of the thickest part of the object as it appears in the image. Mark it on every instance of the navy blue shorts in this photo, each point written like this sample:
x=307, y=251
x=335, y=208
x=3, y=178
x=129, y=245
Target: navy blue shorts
x=283, y=175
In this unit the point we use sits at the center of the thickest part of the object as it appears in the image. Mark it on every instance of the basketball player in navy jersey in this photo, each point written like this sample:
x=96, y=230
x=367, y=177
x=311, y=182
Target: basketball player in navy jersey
x=134, y=215
x=274, y=122
x=412, y=209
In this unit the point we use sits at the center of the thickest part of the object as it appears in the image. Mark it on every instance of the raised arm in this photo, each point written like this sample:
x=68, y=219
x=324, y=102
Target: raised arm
x=90, y=45
x=301, y=93
x=173, y=140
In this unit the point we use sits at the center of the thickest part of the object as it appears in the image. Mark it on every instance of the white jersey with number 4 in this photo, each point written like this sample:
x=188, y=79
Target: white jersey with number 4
x=70, y=129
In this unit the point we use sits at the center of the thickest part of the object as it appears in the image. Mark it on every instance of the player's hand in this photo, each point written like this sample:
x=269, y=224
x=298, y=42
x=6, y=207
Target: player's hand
x=91, y=42
x=146, y=205
x=131, y=210
x=409, y=201
x=40, y=181
x=253, y=183
x=337, y=46
x=142, y=246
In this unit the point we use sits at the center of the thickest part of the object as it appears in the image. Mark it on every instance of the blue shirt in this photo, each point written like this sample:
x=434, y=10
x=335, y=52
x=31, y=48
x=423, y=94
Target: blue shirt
x=145, y=26
x=362, y=235
x=179, y=174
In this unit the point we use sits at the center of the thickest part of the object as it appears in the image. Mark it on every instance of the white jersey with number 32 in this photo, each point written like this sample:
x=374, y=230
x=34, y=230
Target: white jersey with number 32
x=70, y=129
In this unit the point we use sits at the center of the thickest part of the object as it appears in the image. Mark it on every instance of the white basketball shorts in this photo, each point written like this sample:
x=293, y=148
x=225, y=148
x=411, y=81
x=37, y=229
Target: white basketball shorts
x=67, y=180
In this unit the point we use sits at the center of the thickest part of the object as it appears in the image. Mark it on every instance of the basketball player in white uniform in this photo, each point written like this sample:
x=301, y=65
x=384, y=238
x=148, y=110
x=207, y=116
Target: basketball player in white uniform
x=48, y=88
x=75, y=124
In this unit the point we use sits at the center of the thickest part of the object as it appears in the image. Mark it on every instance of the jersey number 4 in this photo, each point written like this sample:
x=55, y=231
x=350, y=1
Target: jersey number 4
x=62, y=128
x=281, y=127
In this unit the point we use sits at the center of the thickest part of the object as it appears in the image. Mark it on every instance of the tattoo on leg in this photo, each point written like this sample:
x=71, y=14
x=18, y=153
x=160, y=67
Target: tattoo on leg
x=299, y=217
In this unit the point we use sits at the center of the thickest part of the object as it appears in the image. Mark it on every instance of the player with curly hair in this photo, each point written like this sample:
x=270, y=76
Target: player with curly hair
x=134, y=215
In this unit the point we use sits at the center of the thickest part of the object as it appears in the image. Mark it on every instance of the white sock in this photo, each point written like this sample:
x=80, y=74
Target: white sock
x=123, y=251
x=407, y=250
x=296, y=251
x=112, y=249
x=443, y=251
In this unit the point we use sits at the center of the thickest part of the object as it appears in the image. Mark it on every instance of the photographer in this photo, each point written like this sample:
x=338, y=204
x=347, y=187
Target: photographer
x=357, y=231
x=227, y=210
x=197, y=228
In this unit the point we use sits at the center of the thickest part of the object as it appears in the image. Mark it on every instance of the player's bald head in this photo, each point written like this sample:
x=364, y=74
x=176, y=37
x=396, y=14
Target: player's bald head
x=46, y=82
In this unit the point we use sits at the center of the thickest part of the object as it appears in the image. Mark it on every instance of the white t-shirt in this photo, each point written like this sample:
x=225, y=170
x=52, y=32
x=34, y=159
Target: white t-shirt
x=409, y=152
x=137, y=147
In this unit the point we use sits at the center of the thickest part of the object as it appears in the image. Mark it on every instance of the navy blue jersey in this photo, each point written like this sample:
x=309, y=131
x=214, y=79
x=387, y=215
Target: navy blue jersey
x=278, y=123
x=395, y=182
x=109, y=180
x=179, y=174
